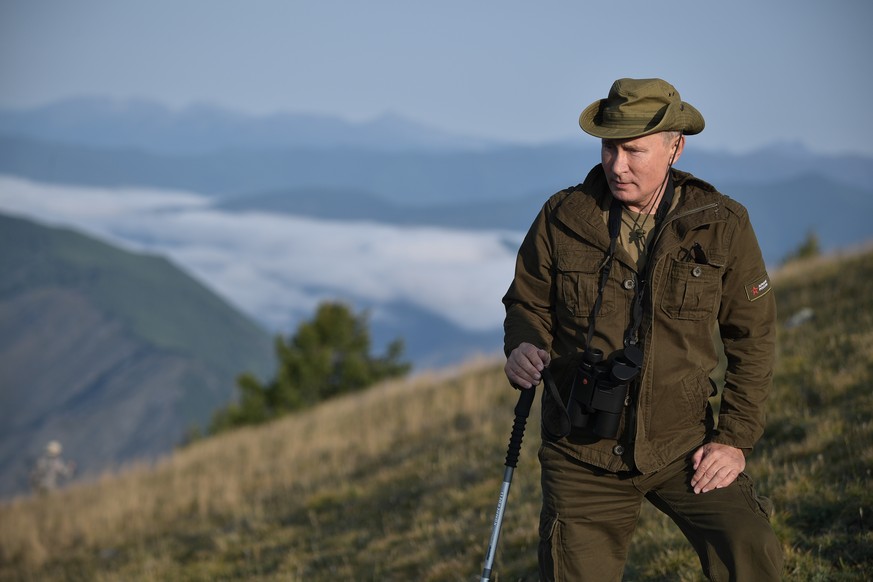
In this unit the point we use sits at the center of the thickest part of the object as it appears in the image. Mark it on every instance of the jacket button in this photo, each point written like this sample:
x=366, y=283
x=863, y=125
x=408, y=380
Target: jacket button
x=629, y=284
x=618, y=450
x=696, y=271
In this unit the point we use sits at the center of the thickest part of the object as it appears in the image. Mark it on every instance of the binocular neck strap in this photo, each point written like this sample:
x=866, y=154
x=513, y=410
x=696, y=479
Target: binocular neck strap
x=614, y=224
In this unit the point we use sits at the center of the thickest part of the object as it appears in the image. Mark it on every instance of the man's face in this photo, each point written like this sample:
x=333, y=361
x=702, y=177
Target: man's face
x=636, y=168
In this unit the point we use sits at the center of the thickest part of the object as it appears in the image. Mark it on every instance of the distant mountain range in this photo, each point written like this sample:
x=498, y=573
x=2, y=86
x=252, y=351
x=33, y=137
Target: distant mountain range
x=500, y=188
x=145, y=125
x=410, y=178
x=838, y=214
x=113, y=353
x=92, y=141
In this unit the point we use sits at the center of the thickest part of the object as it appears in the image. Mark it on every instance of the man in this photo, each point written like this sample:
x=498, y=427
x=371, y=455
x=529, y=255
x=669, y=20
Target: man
x=50, y=469
x=642, y=262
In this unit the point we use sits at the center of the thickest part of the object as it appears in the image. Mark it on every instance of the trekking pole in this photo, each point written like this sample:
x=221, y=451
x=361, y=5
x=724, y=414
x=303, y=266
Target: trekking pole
x=522, y=411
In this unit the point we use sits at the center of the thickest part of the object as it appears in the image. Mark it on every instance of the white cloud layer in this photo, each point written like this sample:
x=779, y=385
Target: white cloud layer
x=278, y=267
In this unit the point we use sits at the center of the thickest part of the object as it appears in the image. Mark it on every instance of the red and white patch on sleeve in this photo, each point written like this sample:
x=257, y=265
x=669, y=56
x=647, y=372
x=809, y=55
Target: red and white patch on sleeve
x=758, y=288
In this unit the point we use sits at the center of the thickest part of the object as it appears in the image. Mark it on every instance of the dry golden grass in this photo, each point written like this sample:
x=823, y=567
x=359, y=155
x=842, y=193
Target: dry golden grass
x=821, y=265
x=400, y=482
x=241, y=476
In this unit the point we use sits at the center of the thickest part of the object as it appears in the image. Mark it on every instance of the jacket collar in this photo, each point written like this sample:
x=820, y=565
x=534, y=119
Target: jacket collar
x=585, y=206
x=700, y=204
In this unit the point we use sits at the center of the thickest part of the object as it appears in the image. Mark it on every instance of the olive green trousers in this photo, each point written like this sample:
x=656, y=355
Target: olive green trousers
x=589, y=515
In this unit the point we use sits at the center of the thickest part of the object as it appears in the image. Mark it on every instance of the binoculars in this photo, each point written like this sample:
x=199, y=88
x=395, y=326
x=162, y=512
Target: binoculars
x=601, y=388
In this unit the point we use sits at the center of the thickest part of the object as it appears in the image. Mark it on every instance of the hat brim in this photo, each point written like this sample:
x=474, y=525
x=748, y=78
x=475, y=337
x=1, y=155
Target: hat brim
x=680, y=116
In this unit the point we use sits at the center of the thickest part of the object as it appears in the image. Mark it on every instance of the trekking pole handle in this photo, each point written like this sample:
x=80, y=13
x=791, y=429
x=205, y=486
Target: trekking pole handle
x=522, y=411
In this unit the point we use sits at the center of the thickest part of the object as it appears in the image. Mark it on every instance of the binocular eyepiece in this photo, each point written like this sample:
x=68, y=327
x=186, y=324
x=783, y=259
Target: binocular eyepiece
x=601, y=388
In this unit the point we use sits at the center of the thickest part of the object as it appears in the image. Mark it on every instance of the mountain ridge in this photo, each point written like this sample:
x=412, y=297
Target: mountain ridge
x=116, y=354
x=203, y=128
x=103, y=141
x=408, y=177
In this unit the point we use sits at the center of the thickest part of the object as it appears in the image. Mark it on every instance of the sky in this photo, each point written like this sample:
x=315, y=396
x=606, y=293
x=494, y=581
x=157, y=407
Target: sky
x=760, y=71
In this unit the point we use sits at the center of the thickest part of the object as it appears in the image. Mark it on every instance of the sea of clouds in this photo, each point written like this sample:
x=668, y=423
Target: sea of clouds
x=278, y=267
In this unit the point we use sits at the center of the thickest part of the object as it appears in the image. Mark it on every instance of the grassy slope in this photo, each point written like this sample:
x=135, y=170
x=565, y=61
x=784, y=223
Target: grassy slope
x=148, y=296
x=153, y=299
x=114, y=353
x=400, y=482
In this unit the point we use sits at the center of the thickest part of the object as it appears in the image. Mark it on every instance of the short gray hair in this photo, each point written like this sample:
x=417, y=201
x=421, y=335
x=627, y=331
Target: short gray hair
x=669, y=136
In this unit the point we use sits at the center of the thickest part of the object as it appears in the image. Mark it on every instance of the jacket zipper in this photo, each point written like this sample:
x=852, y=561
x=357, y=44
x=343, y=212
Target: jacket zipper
x=677, y=217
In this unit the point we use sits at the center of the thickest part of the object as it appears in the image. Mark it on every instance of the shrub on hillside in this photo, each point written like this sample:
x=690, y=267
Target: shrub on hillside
x=810, y=247
x=326, y=357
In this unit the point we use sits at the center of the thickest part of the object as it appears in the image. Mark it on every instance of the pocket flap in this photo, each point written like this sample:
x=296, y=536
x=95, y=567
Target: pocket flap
x=581, y=262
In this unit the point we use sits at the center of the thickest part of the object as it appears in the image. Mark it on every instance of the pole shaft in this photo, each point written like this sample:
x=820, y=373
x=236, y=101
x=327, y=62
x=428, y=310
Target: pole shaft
x=498, y=523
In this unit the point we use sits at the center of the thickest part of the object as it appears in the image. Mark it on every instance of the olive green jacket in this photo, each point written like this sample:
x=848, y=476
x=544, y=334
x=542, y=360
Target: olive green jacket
x=555, y=286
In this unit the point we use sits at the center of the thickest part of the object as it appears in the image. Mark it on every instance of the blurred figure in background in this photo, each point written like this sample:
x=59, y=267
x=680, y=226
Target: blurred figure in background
x=50, y=469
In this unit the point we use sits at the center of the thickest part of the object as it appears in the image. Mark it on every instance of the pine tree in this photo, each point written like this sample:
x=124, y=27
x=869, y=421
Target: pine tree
x=327, y=356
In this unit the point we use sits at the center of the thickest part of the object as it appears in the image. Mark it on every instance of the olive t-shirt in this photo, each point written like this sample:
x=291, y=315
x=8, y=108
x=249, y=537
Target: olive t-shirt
x=637, y=230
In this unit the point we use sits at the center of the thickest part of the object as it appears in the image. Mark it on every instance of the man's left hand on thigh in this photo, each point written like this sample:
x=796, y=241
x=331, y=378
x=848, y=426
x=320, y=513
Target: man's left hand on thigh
x=716, y=466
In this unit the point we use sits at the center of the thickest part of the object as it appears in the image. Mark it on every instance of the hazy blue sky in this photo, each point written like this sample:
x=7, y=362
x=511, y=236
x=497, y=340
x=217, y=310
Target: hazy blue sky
x=759, y=70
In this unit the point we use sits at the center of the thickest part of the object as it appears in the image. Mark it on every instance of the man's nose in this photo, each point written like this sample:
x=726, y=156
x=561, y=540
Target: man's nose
x=617, y=162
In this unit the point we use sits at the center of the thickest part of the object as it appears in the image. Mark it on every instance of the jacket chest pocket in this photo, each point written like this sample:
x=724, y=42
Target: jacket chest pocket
x=578, y=275
x=692, y=290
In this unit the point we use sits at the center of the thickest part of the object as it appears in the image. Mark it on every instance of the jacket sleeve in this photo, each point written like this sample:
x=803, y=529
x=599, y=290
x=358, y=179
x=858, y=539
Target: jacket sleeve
x=531, y=295
x=747, y=323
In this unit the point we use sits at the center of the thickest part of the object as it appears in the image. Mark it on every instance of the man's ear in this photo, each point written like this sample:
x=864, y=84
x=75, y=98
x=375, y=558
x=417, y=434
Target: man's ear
x=680, y=147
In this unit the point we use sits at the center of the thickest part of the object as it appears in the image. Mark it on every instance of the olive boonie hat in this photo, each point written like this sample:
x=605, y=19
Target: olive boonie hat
x=638, y=107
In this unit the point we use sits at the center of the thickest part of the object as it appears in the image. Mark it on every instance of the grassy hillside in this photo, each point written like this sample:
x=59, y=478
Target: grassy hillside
x=114, y=353
x=401, y=482
x=156, y=301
